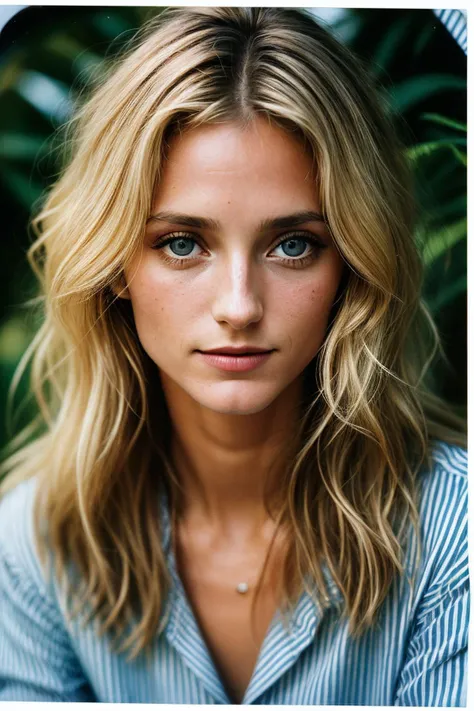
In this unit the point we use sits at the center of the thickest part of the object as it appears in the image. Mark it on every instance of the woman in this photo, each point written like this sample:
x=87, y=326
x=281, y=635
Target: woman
x=243, y=492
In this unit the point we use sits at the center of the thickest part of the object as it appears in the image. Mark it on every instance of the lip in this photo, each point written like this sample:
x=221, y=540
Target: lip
x=237, y=350
x=235, y=363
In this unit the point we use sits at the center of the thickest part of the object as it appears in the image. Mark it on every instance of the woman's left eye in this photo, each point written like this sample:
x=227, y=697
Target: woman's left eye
x=299, y=248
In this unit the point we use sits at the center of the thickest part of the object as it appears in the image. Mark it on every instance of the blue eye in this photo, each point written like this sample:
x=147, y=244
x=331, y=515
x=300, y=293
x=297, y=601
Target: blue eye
x=294, y=247
x=299, y=249
x=182, y=246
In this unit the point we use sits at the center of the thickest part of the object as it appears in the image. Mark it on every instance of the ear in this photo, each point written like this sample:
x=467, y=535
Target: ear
x=120, y=288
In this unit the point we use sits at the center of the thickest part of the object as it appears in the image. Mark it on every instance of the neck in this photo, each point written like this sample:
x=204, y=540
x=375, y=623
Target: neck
x=227, y=465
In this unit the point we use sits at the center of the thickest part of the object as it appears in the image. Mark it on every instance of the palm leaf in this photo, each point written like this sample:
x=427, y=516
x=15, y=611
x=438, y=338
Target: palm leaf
x=449, y=293
x=444, y=121
x=439, y=242
x=431, y=147
x=462, y=157
x=410, y=92
x=20, y=146
x=389, y=43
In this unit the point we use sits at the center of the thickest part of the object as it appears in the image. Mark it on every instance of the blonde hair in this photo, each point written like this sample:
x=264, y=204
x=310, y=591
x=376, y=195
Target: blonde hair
x=367, y=420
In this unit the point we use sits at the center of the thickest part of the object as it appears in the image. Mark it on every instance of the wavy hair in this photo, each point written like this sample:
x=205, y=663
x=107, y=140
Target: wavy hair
x=368, y=421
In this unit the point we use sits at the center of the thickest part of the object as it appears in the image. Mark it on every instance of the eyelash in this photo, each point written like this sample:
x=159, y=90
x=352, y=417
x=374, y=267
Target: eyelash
x=297, y=262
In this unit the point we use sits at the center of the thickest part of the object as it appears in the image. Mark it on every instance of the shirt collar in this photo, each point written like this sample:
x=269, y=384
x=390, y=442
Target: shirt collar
x=285, y=641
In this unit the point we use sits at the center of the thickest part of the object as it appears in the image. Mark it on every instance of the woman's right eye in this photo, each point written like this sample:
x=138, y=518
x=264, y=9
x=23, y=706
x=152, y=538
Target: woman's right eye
x=179, y=245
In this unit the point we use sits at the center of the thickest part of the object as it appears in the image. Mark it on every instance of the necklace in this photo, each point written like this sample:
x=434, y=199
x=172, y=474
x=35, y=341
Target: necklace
x=242, y=588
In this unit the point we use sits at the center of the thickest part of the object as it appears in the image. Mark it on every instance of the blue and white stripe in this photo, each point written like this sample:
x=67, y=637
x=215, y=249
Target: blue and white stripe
x=414, y=655
x=455, y=22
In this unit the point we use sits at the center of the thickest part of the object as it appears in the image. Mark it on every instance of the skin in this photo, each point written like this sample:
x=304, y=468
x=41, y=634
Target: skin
x=234, y=286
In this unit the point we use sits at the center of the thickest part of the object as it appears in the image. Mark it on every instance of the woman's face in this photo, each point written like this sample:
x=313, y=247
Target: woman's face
x=234, y=255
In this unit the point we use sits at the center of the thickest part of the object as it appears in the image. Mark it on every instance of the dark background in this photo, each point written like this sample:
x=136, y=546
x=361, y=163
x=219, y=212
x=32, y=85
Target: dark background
x=48, y=55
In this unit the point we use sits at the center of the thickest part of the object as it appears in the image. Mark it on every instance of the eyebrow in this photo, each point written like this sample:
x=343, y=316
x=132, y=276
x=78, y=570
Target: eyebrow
x=274, y=223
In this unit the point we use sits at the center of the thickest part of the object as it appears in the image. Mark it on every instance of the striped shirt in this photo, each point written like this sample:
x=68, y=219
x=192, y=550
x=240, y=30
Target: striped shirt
x=455, y=22
x=414, y=655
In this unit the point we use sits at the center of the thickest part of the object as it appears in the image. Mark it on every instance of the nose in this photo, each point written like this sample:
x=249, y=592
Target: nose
x=237, y=300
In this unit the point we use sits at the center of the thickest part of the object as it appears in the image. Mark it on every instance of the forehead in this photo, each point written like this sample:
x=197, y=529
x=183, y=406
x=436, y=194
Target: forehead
x=256, y=160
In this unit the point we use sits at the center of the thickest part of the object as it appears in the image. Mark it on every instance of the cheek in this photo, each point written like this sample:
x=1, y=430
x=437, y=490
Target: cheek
x=149, y=293
x=151, y=307
x=163, y=310
x=309, y=304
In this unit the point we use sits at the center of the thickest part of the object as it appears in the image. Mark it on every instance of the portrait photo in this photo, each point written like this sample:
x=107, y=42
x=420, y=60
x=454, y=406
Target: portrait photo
x=233, y=355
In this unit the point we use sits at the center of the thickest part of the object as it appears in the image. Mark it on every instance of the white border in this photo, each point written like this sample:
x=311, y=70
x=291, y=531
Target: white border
x=427, y=4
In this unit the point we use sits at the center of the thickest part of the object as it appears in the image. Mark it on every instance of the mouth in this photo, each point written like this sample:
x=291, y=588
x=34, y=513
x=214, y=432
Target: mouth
x=242, y=361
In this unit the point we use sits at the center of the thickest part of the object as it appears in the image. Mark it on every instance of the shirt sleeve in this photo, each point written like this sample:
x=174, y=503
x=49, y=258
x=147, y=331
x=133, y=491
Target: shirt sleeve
x=434, y=672
x=37, y=662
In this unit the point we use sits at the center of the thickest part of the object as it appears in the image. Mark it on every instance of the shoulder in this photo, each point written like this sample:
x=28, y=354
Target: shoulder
x=443, y=515
x=450, y=459
x=433, y=671
x=17, y=538
x=443, y=486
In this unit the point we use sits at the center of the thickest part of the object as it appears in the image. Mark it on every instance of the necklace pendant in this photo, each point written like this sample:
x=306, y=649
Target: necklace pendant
x=242, y=588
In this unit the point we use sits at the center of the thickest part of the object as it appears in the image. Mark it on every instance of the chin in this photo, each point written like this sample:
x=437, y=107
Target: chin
x=243, y=400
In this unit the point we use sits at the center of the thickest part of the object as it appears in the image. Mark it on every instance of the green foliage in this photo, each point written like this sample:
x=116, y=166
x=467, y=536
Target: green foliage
x=443, y=223
x=415, y=90
x=422, y=71
x=436, y=244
